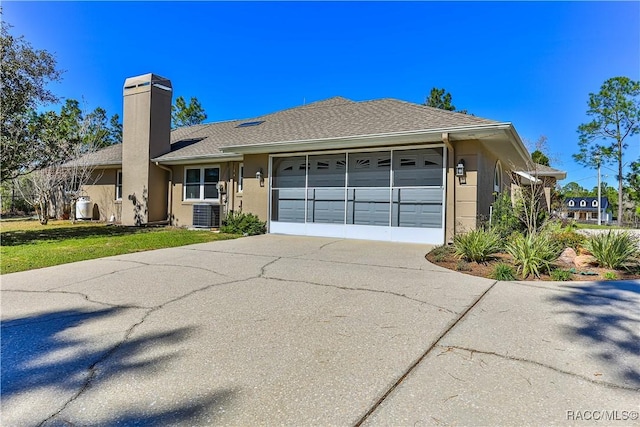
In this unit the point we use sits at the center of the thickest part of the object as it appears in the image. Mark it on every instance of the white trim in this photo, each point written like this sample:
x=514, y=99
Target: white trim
x=240, y=177
x=119, y=183
x=366, y=139
x=361, y=232
x=497, y=172
x=528, y=177
x=358, y=150
x=201, y=198
x=196, y=160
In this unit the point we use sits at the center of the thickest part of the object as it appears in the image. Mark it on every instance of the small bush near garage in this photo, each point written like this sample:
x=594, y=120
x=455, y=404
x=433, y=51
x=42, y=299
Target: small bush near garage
x=477, y=245
x=613, y=249
x=242, y=223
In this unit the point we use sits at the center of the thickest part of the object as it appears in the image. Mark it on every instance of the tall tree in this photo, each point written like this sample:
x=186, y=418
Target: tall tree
x=24, y=75
x=573, y=189
x=616, y=116
x=540, y=158
x=439, y=98
x=633, y=183
x=115, y=130
x=183, y=114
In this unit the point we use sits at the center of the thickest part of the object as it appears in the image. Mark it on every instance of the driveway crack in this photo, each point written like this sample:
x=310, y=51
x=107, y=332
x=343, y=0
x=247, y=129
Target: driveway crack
x=399, y=381
x=93, y=367
x=85, y=296
x=543, y=365
x=347, y=288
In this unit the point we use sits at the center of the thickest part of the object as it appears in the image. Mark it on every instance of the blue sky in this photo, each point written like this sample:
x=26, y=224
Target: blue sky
x=529, y=63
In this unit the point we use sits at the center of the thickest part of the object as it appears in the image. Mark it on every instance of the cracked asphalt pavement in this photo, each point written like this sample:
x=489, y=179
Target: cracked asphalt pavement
x=285, y=330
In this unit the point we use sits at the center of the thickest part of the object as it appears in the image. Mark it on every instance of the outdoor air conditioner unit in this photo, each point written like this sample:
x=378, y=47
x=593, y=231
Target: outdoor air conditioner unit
x=206, y=216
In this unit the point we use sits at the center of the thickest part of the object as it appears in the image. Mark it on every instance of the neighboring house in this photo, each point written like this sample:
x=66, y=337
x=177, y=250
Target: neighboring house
x=382, y=169
x=586, y=209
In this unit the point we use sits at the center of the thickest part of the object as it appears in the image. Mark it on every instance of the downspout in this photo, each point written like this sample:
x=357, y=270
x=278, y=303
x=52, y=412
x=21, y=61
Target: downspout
x=231, y=198
x=447, y=143
x=170, y=210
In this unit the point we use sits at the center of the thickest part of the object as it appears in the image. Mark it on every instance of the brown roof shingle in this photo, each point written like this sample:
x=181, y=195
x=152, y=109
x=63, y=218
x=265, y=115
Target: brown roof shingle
x=331, y=118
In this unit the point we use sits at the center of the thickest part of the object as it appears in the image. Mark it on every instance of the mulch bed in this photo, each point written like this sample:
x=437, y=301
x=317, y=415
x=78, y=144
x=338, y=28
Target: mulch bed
x=485, y=270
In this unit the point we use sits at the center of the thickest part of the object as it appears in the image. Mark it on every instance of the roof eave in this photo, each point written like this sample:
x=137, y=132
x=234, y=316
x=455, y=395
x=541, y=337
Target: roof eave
x=363, y=141
x=189, y=160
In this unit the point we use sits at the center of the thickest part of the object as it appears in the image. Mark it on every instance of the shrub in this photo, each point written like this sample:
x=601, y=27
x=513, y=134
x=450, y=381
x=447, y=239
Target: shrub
x=503, y=271
x=241, y=223
x=463, y=265
x=504, y=218
x=564, y=234
x=569, y=239
x=533, y=254
x=610, y=275
x=560, y=275
x=612, y=249
x=477, y=245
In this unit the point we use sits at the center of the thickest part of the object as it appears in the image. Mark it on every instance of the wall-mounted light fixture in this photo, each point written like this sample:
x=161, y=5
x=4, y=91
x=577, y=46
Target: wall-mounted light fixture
x=259, y=177
x=461, y=173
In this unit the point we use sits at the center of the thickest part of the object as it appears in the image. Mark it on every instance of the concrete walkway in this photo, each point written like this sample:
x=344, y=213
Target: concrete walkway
x=282, y=330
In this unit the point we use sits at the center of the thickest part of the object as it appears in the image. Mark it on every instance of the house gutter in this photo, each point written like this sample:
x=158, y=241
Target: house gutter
x=170, y=210
x=367, y=140
x=447, y=143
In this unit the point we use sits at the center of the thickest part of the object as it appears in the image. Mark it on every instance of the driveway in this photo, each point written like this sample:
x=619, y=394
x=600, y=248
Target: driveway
x=284, y=330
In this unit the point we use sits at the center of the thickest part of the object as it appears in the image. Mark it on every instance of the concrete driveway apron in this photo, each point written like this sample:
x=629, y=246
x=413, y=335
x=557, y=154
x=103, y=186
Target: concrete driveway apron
x=307, y=331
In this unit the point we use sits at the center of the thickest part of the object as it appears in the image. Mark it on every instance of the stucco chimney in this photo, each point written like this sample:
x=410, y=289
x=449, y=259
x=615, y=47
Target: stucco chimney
x=146, y=133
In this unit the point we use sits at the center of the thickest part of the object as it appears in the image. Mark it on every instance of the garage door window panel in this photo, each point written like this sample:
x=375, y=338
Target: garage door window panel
x=288, y=189
x=326, y=193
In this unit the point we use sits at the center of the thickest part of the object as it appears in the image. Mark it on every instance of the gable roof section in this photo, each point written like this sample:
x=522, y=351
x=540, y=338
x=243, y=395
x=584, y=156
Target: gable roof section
x=542, y=170
x=333, y=118
x=604, y=203
x=107, y=157
x=332, y=123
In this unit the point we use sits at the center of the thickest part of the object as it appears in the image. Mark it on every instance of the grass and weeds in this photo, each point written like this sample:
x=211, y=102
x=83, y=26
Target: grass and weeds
x=504, y=272
x=26, y=245
x=559, y=275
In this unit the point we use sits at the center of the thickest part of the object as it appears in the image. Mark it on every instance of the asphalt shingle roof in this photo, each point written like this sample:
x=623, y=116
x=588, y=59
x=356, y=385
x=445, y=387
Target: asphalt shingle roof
x=332, y=118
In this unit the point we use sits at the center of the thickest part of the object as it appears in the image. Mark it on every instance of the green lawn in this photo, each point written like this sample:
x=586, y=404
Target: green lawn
x=25, y=245
x=598, y=227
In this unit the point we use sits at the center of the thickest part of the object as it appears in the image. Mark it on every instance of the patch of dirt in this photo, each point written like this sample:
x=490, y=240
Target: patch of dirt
x=450, y=261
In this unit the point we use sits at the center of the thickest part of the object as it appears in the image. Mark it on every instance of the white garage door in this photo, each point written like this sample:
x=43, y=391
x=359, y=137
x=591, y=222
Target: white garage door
x=395, y=195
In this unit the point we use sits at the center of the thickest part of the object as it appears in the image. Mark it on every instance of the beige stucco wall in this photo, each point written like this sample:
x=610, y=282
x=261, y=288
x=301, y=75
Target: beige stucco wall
x=255, y=197
x=474, y=198
x=466, y=208
x=103, y=194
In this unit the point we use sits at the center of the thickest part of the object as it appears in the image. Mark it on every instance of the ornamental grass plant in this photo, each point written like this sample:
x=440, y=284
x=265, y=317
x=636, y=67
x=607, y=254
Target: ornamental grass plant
x=477, y=245
x=613, y=249
x=533, y=254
